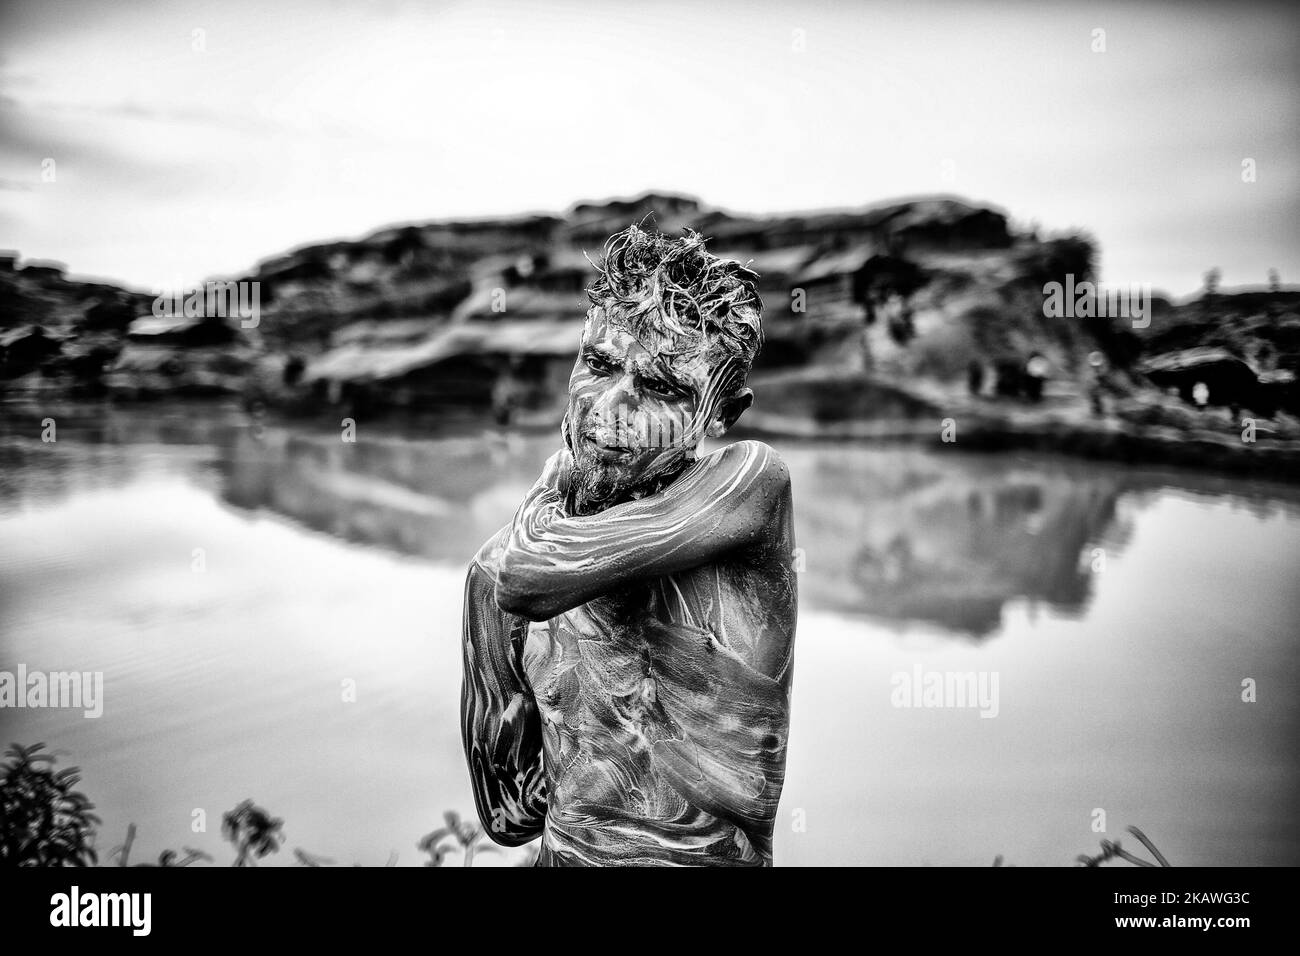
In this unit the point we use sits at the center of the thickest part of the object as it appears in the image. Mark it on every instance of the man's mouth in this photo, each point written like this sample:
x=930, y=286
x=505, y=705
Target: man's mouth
x=598, y=448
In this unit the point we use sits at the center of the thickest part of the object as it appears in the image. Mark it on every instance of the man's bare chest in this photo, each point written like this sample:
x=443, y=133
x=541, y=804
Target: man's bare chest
x=607, y=659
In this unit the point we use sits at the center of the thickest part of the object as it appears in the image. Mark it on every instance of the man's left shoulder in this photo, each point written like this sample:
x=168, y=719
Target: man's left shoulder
x=757, y=459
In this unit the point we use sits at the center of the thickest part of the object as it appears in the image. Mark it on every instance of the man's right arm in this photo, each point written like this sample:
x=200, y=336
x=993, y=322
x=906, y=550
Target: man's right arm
x=552, y=562
x=500, y=725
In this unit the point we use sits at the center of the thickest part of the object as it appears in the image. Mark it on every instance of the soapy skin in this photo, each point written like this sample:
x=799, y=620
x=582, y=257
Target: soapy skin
x=628, y=638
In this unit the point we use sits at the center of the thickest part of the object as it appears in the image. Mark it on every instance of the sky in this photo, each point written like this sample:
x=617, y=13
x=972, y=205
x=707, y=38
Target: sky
x=192, y=139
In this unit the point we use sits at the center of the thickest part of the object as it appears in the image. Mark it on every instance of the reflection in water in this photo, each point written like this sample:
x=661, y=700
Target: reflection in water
x=950, y=539
x=894, y=534
x=433, y=499
x=329, y=561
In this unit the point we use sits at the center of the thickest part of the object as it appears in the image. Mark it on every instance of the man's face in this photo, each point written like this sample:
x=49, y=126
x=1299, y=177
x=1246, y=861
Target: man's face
x=635, y=413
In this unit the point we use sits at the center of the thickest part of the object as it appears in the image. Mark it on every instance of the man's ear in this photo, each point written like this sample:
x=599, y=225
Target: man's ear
x=730, y=409
x=564, y=433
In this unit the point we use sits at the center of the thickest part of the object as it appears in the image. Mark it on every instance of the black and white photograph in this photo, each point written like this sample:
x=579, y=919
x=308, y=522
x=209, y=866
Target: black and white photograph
x=446, y=434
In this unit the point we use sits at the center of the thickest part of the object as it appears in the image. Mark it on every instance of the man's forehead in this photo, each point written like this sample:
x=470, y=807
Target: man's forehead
x=608, y=333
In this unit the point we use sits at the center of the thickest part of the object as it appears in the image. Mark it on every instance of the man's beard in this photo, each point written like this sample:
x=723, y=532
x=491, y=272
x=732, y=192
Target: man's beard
x=595, y=485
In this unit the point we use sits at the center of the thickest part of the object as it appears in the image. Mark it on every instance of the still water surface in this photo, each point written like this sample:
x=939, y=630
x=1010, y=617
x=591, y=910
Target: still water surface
x=228, y=579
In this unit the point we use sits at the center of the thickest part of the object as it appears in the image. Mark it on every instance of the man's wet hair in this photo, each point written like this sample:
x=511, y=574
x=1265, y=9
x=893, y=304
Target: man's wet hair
x=676, y=294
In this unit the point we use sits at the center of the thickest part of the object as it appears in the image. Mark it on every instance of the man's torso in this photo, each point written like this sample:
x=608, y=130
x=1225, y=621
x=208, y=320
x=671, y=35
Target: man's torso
x=657, y=705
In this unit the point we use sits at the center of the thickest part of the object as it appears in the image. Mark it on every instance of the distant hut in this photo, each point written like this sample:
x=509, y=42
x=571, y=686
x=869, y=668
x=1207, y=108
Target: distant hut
x=1228, y=380
x=458, y=367
x=26, y=349
x=828, y=281
x=44, y=270
x=181, y=331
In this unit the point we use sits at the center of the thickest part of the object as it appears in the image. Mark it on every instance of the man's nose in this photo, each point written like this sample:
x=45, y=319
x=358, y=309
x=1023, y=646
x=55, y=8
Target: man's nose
x=618, y=397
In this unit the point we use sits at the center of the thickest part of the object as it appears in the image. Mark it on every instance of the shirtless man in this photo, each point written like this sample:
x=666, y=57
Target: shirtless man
x=628, y=638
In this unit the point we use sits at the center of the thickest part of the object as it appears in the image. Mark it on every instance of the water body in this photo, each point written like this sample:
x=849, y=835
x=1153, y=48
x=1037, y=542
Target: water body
x=234, y=581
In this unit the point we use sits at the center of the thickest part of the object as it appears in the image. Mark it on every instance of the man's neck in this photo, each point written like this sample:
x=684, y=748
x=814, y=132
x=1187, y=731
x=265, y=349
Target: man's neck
x=576, y=504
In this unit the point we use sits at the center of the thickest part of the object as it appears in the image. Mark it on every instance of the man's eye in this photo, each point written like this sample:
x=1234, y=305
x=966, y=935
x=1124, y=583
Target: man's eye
x=598, y=365
x=661, y=389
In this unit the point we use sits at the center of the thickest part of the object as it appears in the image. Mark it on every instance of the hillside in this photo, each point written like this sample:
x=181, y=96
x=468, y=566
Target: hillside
x=878, y=321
